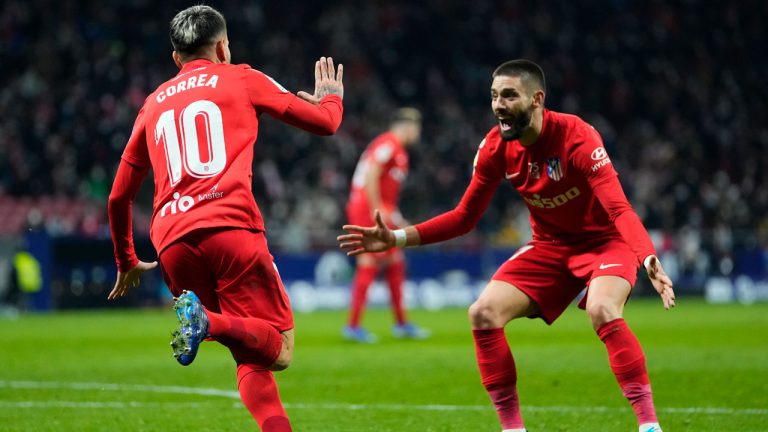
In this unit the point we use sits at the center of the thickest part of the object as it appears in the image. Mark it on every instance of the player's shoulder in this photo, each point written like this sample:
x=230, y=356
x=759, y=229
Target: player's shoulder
x=569, y=121
x=386, y=139
x=258, y=78
x=245, y=67
x=236, y=69
x=573, y=126
x=383, y=147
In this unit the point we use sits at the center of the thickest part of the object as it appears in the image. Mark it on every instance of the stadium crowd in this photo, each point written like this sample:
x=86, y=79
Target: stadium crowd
x=674, y=87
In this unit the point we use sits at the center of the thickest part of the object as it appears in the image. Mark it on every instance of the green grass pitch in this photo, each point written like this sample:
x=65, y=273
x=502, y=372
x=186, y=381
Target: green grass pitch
x=113, y=371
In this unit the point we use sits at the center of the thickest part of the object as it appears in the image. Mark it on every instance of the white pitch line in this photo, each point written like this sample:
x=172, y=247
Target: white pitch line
x=103, y=404
x=230, y=394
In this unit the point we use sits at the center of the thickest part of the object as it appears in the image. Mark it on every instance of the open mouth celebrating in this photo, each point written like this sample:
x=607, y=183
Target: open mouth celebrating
x=505, y=124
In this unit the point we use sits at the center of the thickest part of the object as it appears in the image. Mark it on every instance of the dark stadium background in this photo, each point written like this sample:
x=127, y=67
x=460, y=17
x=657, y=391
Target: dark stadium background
x=676, y=88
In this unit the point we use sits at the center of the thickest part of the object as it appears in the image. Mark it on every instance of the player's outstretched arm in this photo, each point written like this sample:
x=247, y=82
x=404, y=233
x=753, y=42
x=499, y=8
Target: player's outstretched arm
x=124, y=190
x=377, y=238
x=328, y=81
x=661, y=282
x=130, y=279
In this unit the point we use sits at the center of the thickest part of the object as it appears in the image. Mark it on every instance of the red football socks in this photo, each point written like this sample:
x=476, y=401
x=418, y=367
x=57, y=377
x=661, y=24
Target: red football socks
x=364, y=276
x=395, y=275
x=497, y=370
x=251, y=340
x=258, y=390
x=628, y=364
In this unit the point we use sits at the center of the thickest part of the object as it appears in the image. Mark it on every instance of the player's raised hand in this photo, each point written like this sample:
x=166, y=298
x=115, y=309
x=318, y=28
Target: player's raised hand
x=130, y=279
x=377, y=238
x=327, y=81
x=661, y=282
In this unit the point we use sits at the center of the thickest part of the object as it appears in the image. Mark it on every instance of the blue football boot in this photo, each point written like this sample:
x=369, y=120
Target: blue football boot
x=410, y=331
x=359, y=335
x=193, y=327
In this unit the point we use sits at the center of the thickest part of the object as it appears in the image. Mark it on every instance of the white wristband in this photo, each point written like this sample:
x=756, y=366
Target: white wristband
x=647, y=261
x=400, y=238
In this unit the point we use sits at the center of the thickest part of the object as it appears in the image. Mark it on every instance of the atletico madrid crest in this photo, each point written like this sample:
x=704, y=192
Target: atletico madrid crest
x=554, y=168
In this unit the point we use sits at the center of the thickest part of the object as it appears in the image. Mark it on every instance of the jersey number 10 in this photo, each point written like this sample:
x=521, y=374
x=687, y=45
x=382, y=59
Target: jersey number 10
x=185, y=153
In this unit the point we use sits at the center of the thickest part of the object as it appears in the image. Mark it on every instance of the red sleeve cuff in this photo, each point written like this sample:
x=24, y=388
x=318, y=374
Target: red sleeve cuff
x=124, y=264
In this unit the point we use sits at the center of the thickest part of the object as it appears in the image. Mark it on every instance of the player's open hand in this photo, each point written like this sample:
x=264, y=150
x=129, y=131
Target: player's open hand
x=130, y=279
x=661, y=282
x=360, y=240
x=327, y=81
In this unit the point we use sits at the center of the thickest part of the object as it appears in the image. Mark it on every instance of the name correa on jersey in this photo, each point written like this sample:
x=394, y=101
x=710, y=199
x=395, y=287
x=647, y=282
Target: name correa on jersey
x=194, y=81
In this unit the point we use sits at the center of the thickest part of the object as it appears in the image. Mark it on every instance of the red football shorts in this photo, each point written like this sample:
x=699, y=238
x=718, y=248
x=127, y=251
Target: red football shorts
x=361, y=216
x=552, y=275
x=231, y=271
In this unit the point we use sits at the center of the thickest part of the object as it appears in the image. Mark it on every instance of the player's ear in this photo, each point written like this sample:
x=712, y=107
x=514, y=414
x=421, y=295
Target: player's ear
x=538, y=98
x=222, y=51
x=177, y=59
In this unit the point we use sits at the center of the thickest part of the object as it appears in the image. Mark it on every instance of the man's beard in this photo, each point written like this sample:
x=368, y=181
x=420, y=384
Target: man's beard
x=522, y=121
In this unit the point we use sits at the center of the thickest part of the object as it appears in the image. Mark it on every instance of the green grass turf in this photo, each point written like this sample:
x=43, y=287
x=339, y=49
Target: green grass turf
x=699, y=356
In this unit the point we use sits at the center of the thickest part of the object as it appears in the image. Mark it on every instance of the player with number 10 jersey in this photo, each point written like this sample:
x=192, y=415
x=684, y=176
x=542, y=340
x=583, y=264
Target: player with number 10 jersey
x=197, y=131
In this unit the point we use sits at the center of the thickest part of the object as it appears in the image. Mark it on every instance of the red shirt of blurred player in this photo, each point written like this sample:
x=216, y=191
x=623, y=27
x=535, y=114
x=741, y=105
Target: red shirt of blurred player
x=382, y=169
x=388, y=152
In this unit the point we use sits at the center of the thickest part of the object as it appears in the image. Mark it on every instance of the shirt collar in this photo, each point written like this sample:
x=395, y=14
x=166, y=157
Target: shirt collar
x=194, y=64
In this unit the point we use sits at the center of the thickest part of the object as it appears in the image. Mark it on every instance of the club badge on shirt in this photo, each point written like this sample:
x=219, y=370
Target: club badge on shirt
x=554, y=168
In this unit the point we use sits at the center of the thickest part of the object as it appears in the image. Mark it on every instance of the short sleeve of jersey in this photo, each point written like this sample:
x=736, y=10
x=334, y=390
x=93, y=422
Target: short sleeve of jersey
x=383, y=152
x=136, y=152
x=489, y=160
x=589, y=156
x=266, y=94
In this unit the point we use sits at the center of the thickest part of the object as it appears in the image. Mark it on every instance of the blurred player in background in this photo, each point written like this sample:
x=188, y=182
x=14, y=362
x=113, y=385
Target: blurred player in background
x=376, y=185
x=585, y=234
x=196, y=132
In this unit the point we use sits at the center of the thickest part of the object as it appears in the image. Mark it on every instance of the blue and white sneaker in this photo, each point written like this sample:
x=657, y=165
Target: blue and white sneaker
x=193, y=327
x=359, y=335
x=410, y=331
x=650, y=427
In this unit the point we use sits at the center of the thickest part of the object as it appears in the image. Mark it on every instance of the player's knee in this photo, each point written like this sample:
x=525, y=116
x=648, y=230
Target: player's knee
x=602, y=312
x=283, y=361
x=285, y=357
x=482, y=315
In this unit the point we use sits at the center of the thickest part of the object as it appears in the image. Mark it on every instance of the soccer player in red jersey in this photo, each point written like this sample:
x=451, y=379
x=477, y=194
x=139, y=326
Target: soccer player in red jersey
x=196, y=132
x=376, y=185
x=585, y=234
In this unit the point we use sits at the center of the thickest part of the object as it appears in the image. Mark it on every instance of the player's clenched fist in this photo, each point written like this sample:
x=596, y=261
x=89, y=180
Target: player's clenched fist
x=328, y=81
x=377, y=238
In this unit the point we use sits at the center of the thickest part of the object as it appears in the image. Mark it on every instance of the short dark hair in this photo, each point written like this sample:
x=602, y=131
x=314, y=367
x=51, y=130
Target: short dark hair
x=195, y=27
x=406, y=114
x=529, y=72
